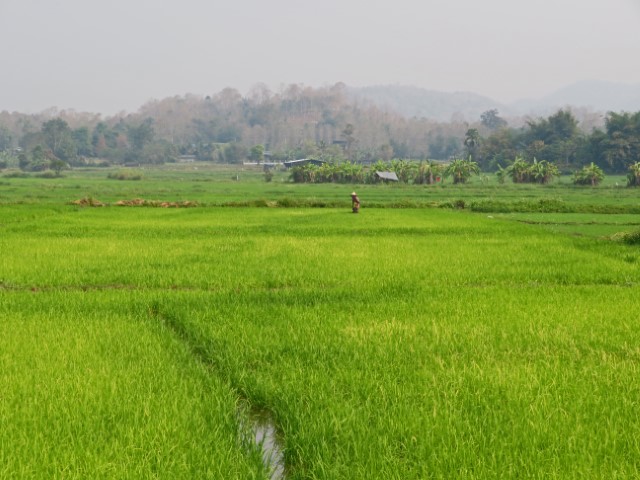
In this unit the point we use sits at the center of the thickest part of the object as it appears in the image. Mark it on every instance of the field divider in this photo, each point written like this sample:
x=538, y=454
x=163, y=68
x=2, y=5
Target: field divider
x=99, y=288
x=257, y=429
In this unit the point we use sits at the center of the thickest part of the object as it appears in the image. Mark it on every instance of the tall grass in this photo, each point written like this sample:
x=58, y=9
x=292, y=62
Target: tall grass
x=91, y=388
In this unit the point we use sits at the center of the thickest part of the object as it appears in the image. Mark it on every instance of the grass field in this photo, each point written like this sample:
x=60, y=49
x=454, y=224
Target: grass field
x=215, y=185
x=398, y=343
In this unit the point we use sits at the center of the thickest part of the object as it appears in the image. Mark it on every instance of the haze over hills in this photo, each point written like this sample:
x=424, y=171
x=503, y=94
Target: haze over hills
x=420, y=102
x=596, y=98
x=411, y=101
x=593, y=94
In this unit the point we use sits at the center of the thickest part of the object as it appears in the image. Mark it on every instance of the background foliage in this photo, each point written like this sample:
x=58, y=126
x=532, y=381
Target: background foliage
x=323, y=123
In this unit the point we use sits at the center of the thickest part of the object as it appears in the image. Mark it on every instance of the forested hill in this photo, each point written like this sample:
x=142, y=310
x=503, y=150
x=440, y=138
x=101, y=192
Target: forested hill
x=295, y=122
x=304, y=122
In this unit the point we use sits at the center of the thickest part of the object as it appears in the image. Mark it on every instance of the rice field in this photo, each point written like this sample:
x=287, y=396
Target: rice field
x=400, y=343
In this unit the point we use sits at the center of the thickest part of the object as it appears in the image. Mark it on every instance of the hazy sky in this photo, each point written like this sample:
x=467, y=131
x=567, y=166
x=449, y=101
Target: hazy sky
x=107, y=56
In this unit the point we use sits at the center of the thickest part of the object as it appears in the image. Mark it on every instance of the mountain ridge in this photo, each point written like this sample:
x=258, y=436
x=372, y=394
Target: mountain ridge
x=596, y=95
x=412, y=101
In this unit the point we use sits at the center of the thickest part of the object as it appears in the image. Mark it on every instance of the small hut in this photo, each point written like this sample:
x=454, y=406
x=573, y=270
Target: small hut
x=387, y=176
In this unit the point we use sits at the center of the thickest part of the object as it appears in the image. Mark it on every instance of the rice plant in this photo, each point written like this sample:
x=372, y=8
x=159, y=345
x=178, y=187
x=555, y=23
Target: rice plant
x=399, y=343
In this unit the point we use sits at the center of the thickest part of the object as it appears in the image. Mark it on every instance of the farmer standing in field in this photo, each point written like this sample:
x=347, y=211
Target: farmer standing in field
x=355, y=202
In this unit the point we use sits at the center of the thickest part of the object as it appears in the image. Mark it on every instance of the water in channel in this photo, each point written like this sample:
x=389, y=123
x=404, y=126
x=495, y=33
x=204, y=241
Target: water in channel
x=260, y=426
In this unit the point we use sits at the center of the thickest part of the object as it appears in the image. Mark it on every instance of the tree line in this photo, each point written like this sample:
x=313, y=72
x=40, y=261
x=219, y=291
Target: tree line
x=559, y=140
x=303, y=122
x=428, y=172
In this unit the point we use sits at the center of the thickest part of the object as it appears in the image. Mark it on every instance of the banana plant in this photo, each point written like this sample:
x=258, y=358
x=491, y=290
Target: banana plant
x=633, y=178
x=461, y=170
x=502, y=174
x=519, y=170
x=588, y=175
x=427, y=171
x=542, y=171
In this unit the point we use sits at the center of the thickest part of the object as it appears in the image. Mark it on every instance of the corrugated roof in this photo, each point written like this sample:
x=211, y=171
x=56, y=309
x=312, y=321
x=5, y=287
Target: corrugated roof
x=303, y=161
x=388, y=176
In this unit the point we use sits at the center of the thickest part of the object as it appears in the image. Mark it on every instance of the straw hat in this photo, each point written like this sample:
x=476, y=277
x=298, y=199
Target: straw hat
x=353, y=193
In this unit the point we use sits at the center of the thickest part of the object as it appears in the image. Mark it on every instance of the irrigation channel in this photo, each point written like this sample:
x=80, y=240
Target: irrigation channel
x=260, y=426
x=257, y=428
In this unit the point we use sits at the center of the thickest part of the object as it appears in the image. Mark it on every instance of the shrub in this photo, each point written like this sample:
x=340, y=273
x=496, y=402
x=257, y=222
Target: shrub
x=16, y=174
x=125, y=175
x=630, y=238
x=48, y=174
x=88, y=202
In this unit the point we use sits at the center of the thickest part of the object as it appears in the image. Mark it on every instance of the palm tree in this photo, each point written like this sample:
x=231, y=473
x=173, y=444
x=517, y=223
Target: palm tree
x=472, y=142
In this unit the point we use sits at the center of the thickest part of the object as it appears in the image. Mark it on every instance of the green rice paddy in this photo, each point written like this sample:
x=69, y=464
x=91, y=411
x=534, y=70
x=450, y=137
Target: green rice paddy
x=400, y=343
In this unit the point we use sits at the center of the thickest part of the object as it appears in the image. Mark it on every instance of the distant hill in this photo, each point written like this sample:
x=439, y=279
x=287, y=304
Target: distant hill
x=592, y=94
x=597, y=96
x=419, y=102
